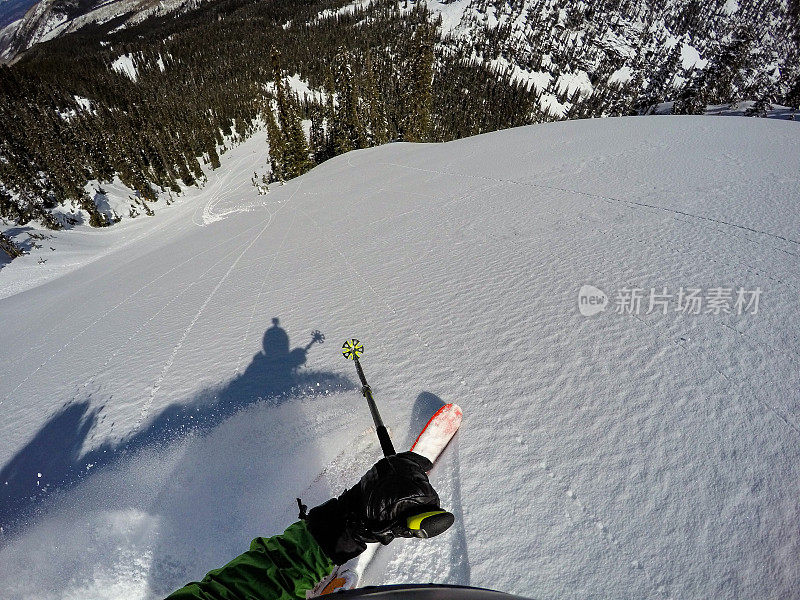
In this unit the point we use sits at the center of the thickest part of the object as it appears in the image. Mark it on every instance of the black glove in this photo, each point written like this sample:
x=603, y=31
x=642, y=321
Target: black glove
x=374, y=510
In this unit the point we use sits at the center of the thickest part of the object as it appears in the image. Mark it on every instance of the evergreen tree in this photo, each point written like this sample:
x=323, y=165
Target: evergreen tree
x=277, y=146
x=417, y=125
x=348, y=129
x=295, y=155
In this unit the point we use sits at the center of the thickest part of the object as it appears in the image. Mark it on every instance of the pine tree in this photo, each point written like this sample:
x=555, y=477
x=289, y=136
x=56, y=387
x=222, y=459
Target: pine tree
x=377, y=133
x=417, y=126
x=277, y=146
x=348, y=130
x=295, y=153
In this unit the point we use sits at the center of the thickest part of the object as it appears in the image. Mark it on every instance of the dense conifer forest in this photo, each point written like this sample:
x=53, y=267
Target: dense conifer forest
x=381, y=72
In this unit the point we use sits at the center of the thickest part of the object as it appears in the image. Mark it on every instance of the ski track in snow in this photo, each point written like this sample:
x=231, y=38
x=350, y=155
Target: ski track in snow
x=221, y=185
x=103, y=316
x=144, y=324
x=257, y=301
x=177, y=348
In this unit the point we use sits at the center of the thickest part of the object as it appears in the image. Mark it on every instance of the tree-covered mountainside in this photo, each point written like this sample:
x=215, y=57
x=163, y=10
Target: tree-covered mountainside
x=147, y=104
x=47, y=19
x=611, y=57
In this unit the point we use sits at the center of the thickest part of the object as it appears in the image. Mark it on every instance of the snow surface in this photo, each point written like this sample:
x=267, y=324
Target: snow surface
x=303, y=90
x=621, y=76
x=348, y=9
x=531, y=79
x=614, y=456
x=124, y=65
x=569, y=83
x=690, y=57
x=84, y=103
x=730, y=7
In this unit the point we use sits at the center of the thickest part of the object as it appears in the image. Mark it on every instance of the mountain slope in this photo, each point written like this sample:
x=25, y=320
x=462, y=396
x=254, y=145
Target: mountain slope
x=48, y=19
x=11, y=10
x=619, y=455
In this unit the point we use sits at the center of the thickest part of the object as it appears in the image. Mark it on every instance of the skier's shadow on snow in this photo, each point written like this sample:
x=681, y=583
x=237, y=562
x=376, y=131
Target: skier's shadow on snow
x=53, y=459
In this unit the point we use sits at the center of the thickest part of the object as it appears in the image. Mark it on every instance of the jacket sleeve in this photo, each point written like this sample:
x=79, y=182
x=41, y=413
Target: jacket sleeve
x=282, y=567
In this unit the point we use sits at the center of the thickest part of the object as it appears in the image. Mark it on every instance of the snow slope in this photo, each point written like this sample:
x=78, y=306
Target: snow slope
x=156, y=420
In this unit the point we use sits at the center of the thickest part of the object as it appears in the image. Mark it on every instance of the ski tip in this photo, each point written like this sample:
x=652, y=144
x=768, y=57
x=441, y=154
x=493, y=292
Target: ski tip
x=448, y=418
x=438, y=432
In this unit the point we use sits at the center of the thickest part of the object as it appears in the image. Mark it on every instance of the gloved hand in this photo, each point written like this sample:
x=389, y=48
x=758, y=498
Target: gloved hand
x=375, y=509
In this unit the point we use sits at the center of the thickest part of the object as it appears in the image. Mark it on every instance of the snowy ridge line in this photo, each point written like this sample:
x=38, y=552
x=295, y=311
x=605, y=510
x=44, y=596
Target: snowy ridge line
x=759, y=271
x=168, y=364
x=146, y=322
x=261, y=291
x=598, y=196
x=115, y=307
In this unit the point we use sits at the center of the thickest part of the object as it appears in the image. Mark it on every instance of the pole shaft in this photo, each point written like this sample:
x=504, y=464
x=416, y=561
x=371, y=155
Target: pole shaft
x=383, y=433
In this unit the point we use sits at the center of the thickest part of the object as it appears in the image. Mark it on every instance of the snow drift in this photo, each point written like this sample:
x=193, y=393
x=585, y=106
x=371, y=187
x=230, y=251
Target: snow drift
x=156, y=418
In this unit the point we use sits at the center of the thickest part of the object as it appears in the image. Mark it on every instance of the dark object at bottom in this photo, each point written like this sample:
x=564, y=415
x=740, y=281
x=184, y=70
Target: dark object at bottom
x=426, y=592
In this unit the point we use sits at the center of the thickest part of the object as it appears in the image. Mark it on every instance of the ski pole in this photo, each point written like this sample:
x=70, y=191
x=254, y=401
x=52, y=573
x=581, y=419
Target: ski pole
x=423, y=525
x=383, y=433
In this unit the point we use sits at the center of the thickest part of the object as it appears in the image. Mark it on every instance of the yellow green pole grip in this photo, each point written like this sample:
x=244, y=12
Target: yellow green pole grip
x=430, y=524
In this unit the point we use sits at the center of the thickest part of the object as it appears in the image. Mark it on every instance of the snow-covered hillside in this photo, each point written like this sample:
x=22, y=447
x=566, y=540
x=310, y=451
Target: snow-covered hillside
x=154, y=423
